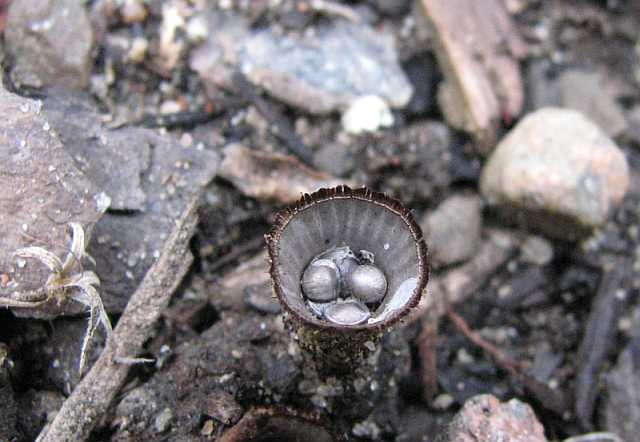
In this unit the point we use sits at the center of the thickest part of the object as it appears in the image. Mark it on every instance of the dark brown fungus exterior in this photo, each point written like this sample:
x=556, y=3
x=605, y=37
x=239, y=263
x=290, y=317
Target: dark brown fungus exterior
x=363, y=220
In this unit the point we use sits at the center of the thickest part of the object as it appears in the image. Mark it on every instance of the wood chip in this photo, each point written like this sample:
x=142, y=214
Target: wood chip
x=271, y=175
x=478, y=53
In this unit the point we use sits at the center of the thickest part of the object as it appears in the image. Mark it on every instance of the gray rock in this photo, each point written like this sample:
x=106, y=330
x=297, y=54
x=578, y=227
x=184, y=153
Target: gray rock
x=321, y=71
x=558, y=170
x=335, y=159
x=50, y=41
x=42, y=191
x=453, y=229
x=217, y=58
x=583, y=91
x=622, y=409
x=150, y=177
x=485, y=418
x=106, y=156
x=586, y=92
x=536, y=250
x=124, y=244
x=325, y=70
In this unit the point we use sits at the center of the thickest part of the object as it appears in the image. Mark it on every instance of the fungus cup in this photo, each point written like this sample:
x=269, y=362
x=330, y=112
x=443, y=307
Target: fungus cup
x=372, y=271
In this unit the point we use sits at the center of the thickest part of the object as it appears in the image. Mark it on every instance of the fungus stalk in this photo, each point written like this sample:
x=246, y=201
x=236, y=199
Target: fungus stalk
x=346, y=265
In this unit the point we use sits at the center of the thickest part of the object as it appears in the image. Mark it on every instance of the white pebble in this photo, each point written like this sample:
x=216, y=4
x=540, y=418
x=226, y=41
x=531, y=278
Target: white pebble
x=367, y=114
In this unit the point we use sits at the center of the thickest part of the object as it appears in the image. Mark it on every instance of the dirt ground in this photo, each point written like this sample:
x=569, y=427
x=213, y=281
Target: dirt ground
x=227, y=109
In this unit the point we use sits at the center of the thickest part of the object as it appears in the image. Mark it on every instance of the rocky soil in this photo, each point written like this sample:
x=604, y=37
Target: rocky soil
x=173, y=131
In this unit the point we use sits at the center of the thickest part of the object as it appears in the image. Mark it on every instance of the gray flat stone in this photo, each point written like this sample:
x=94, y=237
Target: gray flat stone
x=320, y=71
x=42, y=191
x=106, y=156
x=325, y=70
x=149, y=177
x=125, y=245
x=51, y=42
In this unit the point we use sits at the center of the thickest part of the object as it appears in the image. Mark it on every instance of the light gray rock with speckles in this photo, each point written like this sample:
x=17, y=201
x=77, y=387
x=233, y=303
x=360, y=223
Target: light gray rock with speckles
x=321, y=71
x=558, y=171
x=485, y=418
x=328, y=69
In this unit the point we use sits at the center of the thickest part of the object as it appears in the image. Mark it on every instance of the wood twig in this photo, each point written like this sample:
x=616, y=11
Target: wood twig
x=91, y=398
x=427, y=343
x=599, y=338
x=236, y=252
x=508, y=364
x=553, y=400
x=279, y=125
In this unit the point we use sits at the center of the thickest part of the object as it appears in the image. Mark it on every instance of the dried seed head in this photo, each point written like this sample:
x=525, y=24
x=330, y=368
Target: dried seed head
x=320, y=281
x=367, y=283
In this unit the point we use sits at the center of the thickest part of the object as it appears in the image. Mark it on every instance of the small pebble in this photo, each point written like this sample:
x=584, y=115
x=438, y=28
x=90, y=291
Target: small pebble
x=536, y=250
x=367, y=114
x=133, y=11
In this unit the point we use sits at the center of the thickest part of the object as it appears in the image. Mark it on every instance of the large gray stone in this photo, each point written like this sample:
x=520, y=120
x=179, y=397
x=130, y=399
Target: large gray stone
x=107, y=156
x=50, y=42
x=42, y=192
x=320, y=71
x=558, y=170
x=149, y=177
x=328, y=69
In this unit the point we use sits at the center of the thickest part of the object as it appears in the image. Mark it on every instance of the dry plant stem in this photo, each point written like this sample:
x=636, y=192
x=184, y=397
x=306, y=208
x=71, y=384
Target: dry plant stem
x=550, y=399
x=508, y=364
x=599, y=338
x=427, y=353
x=91, y=398
x=236, y=252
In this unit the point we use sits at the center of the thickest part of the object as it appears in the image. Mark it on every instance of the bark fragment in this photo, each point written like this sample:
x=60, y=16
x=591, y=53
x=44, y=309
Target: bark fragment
x=478, y=52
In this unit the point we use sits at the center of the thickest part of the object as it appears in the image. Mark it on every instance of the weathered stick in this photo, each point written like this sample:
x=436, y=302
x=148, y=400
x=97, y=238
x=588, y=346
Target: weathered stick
x=93, y=395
